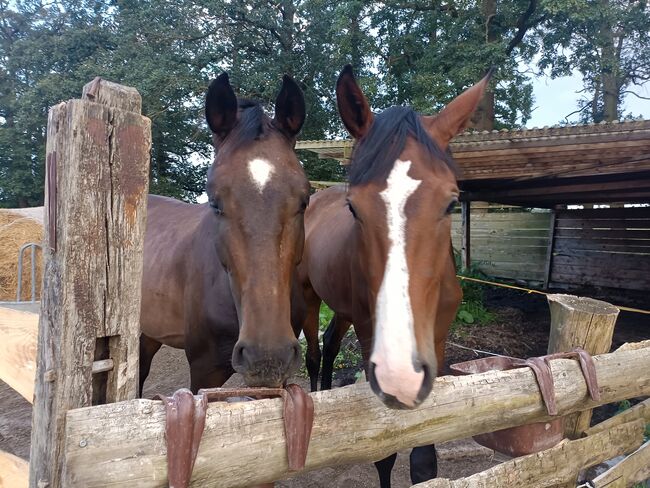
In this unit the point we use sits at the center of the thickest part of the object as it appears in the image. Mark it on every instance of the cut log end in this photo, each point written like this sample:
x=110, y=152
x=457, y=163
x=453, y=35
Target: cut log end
x=112, y=95
x=582, y=304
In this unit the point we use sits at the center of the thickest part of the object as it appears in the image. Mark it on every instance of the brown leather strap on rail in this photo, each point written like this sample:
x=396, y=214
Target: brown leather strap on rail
x=186, y=420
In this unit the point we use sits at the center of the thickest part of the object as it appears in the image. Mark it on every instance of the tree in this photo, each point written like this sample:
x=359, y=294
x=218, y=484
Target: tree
x=607, y=41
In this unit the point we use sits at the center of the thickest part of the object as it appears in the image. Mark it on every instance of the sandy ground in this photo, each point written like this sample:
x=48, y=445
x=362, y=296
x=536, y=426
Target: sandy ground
x=170, y=372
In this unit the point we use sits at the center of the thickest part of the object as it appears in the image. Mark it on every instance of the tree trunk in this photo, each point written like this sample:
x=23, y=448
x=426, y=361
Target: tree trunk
x=609, y=67
x=484, y=116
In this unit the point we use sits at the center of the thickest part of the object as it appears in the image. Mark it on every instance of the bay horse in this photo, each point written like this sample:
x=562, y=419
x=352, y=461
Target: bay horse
x=379, y=254
x=217, y=277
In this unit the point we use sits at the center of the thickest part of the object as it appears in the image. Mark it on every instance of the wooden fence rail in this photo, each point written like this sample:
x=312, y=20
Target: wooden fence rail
x=123, y=444
x=558, y=465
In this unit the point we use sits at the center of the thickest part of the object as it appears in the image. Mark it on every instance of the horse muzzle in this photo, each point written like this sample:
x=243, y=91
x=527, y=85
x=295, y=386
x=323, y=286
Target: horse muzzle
x=401, y=389
x=266, y=366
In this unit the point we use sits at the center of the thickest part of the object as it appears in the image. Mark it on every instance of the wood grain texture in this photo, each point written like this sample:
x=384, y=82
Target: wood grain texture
x=93, y=275
x=19, y=332
x=638, y=411
x=580, y=322
x=633, y=469
x=243, y=443
x=14, y=472
x=557, y=465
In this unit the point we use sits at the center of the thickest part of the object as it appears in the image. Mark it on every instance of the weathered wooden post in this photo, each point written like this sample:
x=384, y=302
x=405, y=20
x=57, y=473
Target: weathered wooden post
x=97, y=167
x=580, y=322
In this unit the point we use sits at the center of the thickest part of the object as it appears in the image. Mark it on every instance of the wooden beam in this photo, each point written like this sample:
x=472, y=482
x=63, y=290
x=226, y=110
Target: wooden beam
x=97, y=167
x=549, y=250
x=465, y=239
x=123, y=444
x=557, y=465
x=580, y=322
x=631, y=470
x=19, y=331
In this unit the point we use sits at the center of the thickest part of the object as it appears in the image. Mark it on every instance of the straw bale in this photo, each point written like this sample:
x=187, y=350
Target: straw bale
x=18, y=227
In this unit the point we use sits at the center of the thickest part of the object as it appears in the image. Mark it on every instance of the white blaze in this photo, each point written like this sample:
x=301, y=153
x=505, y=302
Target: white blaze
x=261, y=171
x=394, y=345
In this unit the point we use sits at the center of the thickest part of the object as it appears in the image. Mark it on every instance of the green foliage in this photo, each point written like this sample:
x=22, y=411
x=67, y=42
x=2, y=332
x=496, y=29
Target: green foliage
x=607, y=41
x=472, y=310
x=416, y=52
x=325, y=314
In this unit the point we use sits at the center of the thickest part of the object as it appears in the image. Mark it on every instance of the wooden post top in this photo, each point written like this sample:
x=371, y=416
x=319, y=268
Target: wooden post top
x=113, y=95
x=583, y=304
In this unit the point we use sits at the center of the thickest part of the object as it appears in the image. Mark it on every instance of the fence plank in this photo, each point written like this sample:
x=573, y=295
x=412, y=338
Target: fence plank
x=97, y=160
x=19, y=331
x=243, y=444
x=557, y=465
x=632, y=469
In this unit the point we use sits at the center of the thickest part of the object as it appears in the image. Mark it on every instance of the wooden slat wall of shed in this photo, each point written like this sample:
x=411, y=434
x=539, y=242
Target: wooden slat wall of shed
x=506, y=242
x=603, y=247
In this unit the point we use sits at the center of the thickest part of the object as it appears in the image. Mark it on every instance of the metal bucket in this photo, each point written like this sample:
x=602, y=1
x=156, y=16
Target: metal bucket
x=515, y=441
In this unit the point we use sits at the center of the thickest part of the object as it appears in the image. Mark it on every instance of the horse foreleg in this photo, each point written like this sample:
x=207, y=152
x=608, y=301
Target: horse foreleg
x=424, y=464
x=332, y=338
x=204, y=373
x=148, y=348
x=310, y=329
x=384, y=469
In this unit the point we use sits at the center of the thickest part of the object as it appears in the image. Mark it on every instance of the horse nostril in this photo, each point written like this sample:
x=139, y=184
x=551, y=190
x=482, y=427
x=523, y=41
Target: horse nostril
x=297, y=353
x=238, y=355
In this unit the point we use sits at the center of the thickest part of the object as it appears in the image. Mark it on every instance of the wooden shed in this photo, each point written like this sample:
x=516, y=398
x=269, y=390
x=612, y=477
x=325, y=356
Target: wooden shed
x=553, y=170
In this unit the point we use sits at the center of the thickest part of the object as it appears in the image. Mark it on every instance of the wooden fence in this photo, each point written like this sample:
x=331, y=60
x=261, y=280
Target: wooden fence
x=88, y=430
x=506, y=242
x=605, y=247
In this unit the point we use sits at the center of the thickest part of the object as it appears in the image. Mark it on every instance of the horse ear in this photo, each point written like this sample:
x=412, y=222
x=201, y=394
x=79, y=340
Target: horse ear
x=353, y=106
x=290, y=107
x=457, y=114
x=221, y=106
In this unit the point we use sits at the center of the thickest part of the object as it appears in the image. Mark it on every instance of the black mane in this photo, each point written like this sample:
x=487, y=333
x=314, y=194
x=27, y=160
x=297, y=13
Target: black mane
x=253, y=122
x=375, y=154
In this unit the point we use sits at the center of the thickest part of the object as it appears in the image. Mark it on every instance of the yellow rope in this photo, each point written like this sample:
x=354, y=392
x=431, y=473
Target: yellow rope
x=528, y=290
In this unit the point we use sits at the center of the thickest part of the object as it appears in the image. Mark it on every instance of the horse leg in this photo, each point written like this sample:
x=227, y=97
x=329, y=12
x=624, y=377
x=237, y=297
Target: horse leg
x=310, y=329
x=384, y=468
x=331, y=346
x=424, y=464
x=204, y=374
x=148, y=348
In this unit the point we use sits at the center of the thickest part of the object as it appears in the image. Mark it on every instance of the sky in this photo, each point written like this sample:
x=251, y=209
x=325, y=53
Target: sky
x=555, y=99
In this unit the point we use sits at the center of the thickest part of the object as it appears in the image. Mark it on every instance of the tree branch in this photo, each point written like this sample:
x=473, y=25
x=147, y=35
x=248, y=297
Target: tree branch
x=636, y=94
x=523, y=25
x=586, y=106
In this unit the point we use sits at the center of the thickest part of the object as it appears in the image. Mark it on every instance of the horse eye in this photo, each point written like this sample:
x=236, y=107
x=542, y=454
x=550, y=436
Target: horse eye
x=452, y=206
x=303, y=205
x=354, y=213
x=215, y=205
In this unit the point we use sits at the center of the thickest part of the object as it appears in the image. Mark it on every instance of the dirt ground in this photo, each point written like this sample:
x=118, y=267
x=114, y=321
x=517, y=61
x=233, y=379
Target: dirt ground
x=520, y=329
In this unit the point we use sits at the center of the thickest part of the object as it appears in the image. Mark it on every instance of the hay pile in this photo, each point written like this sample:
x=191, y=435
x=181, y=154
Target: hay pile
x=18, y=227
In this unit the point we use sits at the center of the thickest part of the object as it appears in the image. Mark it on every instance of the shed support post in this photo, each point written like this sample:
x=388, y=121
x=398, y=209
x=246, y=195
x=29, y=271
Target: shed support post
x=549, y=250
x=580, y=322
x=97, y=166
x=465, y=210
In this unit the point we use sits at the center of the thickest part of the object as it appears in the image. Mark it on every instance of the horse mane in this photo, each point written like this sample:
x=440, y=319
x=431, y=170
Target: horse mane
x=375, y=154
x=253, y=122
